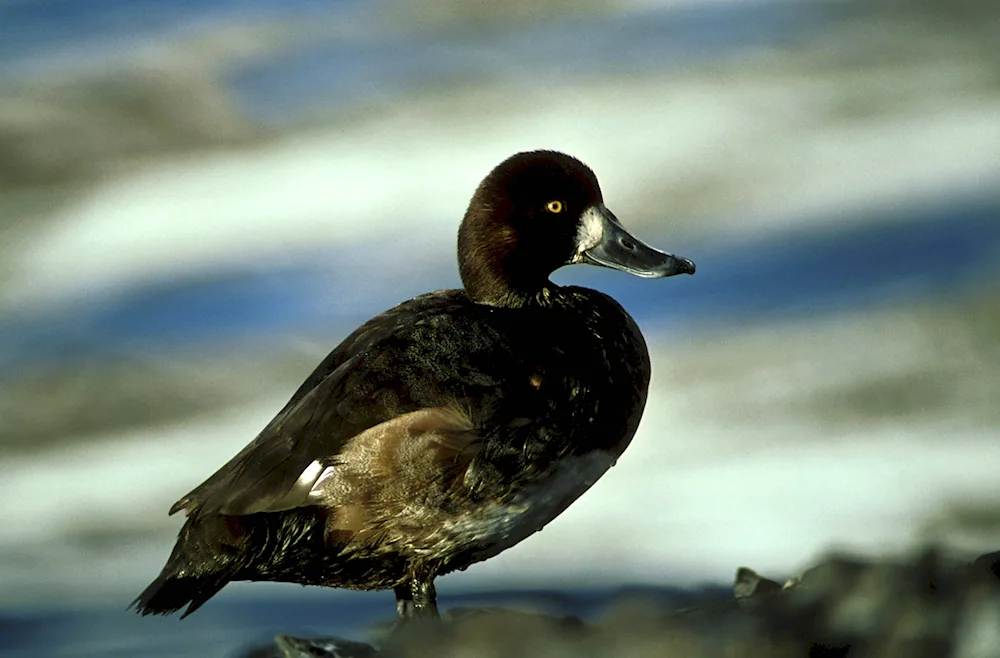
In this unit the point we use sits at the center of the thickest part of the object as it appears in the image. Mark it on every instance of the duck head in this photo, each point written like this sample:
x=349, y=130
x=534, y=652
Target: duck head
x=536, y=212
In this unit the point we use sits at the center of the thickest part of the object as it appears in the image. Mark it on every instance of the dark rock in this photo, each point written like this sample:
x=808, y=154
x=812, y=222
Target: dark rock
x=749, y=583
x=286, y=646
x=989, y=563
x=295, y=647
x=926, y=608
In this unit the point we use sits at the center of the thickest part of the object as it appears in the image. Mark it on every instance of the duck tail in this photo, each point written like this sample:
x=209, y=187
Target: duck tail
x=197, y=569
x=168, y=594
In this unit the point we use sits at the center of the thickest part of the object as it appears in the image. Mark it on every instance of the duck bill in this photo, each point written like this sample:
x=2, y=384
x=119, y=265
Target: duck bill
x=604, y=241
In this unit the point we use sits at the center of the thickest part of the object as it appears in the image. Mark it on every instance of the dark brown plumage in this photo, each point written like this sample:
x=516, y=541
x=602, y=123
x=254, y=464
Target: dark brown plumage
x=446, y=429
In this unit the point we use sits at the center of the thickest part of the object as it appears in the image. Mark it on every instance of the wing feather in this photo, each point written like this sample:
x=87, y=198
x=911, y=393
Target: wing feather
x=371, y=378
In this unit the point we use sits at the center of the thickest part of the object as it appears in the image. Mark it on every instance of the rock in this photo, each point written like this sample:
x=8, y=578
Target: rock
x=927, y=608
x=749, y=583
x=286, y=646
x=989, y=563
x=295, y=647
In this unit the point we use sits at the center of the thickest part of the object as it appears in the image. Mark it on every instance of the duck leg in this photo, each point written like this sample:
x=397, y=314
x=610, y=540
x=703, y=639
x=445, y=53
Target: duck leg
x=424, y=598
x=416, y=599
x=404, y=603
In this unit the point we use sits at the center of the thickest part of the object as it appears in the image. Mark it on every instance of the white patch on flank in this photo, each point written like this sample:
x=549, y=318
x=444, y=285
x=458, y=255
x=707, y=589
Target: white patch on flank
x=318, y=488
x=309, y=475
x=299, y=492
x=591, y=230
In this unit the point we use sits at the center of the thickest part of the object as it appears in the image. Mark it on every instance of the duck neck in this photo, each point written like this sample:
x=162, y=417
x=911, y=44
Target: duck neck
x=494, y=273
x=485, y=285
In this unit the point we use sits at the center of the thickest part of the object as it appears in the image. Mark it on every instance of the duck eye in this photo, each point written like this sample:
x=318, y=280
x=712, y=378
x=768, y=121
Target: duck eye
x=554, y=206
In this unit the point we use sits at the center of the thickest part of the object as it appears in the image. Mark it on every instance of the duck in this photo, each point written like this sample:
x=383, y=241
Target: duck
x=446, y=429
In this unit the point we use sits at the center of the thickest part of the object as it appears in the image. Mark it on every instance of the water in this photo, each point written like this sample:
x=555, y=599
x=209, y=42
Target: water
x=237, y=626
x=949, y=250
x=828, y=378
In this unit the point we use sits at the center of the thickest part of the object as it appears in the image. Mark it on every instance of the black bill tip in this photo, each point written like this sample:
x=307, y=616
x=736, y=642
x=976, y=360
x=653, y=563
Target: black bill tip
x=684, y=265
x=604, y=241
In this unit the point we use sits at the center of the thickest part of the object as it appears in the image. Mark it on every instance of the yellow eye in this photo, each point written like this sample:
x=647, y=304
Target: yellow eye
x=554, y=206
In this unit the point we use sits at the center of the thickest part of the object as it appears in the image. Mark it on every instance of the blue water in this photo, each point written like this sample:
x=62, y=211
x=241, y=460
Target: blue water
x=943, y=251
x=334, y=75
x=938, y=252
x=228, y=626
x=30, y=28
x=381, y=60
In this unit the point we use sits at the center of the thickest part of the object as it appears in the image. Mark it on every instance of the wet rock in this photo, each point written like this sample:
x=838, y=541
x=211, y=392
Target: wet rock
x=749, y=584
x=929, y=607
x=989, y=563
x=286, y=646
x=295, y=647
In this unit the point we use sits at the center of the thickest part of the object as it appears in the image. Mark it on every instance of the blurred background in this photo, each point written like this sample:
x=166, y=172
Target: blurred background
x=198, y=200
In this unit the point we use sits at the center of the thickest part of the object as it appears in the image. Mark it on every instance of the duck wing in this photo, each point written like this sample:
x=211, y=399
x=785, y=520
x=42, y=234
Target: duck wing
x=404, y=361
